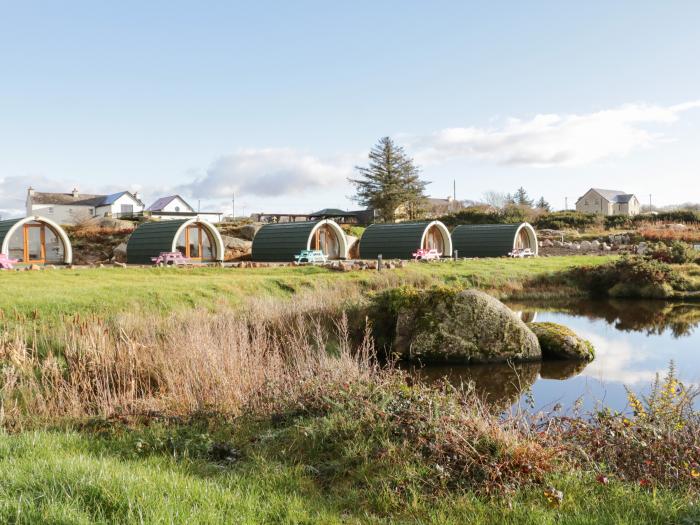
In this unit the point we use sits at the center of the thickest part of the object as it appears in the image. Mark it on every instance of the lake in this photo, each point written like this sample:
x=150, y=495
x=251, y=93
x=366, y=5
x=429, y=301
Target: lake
x=634, y=340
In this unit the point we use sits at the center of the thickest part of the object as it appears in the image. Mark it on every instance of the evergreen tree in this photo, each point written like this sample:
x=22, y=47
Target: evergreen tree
x=543, y=205
x=521, y=198
x=391, y=180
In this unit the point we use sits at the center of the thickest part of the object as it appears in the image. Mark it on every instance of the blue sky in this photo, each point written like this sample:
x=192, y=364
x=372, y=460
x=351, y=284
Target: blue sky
x=278, y=101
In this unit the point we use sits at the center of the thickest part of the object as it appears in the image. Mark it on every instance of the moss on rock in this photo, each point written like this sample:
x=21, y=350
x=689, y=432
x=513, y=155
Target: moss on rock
x=448, y=326
x=559, y=342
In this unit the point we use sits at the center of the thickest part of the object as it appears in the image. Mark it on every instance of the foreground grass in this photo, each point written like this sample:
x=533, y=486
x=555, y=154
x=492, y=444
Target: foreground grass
x=70, y=477
x=104, y=292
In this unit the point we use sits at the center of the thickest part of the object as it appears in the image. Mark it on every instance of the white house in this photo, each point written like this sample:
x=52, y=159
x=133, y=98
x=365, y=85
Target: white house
x=609, y=202
x=175, y=207
x=68, y=208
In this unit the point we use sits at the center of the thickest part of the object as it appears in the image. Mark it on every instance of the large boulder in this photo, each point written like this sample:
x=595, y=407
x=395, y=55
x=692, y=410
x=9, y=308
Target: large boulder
x=119, y=253
x=249, y=231
x=442, y=326
x=235, y=248
x=353, y=247
x=559, y=342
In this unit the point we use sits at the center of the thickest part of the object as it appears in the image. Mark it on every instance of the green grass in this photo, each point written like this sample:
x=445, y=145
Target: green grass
x=107, y=291
x=69, y=477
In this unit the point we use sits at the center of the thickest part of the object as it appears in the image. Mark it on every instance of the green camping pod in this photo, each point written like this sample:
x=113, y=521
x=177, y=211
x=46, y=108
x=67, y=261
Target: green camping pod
x=400, y=241
x=280, y=242
x=493, y=240
x=196, y=239
x=35, y=240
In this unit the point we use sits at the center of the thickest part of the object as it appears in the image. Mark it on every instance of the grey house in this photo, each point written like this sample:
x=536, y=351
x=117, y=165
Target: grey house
x=609, y=202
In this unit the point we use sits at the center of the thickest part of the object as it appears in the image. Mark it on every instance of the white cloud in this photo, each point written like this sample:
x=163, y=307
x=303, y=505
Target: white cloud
x=618, y=360
x=267, y=172
x=554, y=140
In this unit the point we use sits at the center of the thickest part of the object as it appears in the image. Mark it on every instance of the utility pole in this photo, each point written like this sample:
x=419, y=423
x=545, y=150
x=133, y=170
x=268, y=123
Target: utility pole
x=566, y=203
x=650, y=208
x=199, y=205
x=233, y=206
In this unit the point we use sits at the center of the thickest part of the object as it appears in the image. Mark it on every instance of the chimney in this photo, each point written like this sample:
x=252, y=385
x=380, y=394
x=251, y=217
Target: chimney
x=30, y=192
x=75, y=192
x=137, y=195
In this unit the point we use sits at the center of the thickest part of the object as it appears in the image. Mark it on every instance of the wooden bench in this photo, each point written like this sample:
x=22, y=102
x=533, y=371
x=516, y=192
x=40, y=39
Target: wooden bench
x=426, y=255
x=311, y=256
x=6, y=263
x=170, y=259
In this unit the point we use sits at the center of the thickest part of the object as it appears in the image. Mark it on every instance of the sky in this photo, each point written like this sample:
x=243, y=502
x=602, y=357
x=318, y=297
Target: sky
x=277, y=102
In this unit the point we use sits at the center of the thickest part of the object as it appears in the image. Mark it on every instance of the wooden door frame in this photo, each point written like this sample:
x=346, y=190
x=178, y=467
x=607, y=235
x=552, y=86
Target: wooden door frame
x=200, y=245
x=42, y=240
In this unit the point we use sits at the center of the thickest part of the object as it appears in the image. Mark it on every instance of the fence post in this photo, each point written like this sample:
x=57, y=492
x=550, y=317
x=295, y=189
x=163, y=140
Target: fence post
x=379, y=262
x=456, y=255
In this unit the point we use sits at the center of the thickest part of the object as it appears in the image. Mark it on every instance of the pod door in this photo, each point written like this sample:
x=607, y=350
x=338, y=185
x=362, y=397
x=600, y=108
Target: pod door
x=326, y=240
x=195, y=243
x=36, y=243
x=434, y=240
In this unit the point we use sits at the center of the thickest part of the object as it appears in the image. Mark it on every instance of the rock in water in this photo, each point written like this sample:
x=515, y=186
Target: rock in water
x=462, y=327
x=559, y=342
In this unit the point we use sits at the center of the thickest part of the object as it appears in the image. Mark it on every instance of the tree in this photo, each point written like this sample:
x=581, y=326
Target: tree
x=543, y=205
x=521, y=198
x=496, y=199
x=391, y=180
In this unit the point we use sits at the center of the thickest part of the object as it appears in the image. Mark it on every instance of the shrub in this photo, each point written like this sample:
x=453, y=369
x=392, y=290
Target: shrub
x=487, y=215
x=677, y=253
x=630, y=277
x=568, y=219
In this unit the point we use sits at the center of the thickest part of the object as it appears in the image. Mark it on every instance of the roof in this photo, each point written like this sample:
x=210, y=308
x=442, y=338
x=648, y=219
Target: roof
x=618, y=196
x=488, y=240
x=332, y=212
x=79, y=199
x=161, y=203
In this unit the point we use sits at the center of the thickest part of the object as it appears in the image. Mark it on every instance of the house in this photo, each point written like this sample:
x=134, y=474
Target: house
x=428, y=208
x=608, y=202
x=175, y=207
x=69, y=208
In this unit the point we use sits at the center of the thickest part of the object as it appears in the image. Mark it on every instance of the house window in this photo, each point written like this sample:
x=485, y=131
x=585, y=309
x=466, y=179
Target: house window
x=50, y=210
x=70, y=211
x=127, y=209
x=585, y=203
x=91, y=211
x=177, y=209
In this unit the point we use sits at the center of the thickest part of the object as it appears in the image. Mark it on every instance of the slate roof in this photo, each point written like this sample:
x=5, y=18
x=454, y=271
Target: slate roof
x=81, y=199
x=616, y=196
x=161, y=203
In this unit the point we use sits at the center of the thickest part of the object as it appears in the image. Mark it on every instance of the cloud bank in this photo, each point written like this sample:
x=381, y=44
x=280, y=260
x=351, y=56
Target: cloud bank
x=270, y=172
x=554, y=140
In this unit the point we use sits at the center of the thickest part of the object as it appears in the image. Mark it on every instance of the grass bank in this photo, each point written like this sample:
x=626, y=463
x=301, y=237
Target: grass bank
x=49, y=295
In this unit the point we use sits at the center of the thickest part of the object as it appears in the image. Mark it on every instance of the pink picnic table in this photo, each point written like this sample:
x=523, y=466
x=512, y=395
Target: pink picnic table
x=426, y=255
x=7, y=263
x=170, y=258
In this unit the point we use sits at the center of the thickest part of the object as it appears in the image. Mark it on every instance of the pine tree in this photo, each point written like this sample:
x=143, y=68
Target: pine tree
x=543, y=205
x=522, y=198
x=391, y=180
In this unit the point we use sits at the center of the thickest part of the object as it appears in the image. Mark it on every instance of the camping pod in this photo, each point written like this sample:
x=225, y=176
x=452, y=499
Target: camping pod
x=280, y=242
x=35, y=240
x=196, y=239
x=493, y=240
x=400, y=241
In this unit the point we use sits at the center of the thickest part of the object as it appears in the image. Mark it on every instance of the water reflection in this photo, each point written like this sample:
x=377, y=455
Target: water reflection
x=634, y=341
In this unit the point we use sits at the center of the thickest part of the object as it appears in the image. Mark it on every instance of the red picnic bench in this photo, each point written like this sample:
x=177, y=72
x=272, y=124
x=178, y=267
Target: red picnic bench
x=6, y=263
x=170, y=259
x=426, y=255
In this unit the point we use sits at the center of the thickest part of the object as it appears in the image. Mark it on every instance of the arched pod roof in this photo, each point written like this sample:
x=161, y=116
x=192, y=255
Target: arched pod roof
x=151, y=239
x=9, y=227
x=400, y=241
x=280, y=242
x=491, y=240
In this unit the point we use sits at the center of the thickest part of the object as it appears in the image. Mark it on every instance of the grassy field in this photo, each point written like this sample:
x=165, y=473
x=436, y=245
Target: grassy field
x=106, y=291
x=211, y=396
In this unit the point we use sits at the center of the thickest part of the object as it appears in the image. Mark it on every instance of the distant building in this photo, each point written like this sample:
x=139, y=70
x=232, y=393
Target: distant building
x=69, y=208
x=608, y=202
x=175, y=207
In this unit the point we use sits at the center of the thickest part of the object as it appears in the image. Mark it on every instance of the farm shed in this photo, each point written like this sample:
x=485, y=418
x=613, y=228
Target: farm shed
x=35, y=240
x=400, y=241
x=280, y=242
x=493, y=240
x=196, y=239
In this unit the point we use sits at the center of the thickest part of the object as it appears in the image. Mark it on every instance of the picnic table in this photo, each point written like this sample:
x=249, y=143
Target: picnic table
x=170, y=259
x=6, y=263
x=426, y=255
x=311, y=256
x=522, y=253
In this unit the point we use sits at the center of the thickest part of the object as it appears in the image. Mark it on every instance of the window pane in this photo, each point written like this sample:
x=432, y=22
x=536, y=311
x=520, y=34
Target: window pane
x=207, y=250
x=181, y=245
x=194, y=242
x=54, y=247
x=16, y=250
x=33, y=243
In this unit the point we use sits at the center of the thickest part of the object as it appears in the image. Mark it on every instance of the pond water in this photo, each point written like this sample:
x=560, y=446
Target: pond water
x=634, y=341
